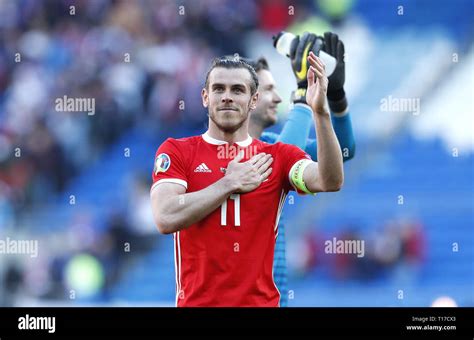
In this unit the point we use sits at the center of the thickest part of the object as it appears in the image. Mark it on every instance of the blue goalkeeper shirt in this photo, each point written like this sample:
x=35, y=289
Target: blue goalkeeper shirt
x=296, y=132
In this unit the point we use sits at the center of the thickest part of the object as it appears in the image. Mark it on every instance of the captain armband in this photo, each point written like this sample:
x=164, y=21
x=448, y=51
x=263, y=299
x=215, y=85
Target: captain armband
x=296, y=175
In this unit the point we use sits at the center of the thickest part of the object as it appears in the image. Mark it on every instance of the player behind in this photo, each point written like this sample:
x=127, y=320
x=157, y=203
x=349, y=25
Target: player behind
x=297, y=127
x=223, y=209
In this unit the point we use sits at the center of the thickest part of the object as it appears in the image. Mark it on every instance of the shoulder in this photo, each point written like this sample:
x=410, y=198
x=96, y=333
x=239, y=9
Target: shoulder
x=182, y=143
x=185, y=140
x=284, y=146
x=290, y=150
x=263, y=146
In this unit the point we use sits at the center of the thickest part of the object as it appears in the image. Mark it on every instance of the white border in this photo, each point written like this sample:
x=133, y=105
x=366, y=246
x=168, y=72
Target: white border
x=170, y=180
x=214, y=141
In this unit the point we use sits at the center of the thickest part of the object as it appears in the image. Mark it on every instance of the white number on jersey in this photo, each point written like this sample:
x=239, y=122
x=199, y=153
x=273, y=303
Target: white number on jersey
x=236, y=198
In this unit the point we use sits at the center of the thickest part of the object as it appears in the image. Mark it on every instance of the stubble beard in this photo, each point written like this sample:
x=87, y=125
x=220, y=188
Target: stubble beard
x=227, y=129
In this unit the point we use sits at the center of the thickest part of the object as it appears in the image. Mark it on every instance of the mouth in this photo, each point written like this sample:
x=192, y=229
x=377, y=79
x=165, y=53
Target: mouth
x=227, y=109
x=273, y=109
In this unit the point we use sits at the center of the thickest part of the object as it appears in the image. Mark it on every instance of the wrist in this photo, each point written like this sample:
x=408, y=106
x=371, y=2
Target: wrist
x=324, y=113
x=229, y=184
x=336, y=94
x=320, y=108
x=337, y=100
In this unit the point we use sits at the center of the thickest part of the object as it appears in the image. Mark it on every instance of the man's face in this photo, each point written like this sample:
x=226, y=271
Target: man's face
x=228, y=97
x=268, y=100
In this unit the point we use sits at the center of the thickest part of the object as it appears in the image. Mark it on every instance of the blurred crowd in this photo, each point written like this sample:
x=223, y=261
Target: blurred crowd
x=81, y=261
x=397, y=248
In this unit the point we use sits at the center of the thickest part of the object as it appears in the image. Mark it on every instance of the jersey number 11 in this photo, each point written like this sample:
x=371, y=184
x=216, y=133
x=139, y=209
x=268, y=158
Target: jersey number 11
x=236, y=198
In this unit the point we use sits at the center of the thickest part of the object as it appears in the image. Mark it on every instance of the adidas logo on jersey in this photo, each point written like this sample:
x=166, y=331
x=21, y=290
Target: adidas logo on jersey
x=202, y=168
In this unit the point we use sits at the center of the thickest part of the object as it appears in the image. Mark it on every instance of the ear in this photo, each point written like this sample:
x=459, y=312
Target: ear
x=205, y=97
x=253, y=101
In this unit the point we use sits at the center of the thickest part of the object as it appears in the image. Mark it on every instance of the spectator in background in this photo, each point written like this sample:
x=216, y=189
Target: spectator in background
x=345, y=265
x=413, y=236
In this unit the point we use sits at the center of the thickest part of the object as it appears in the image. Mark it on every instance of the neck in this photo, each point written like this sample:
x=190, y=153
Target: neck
x=255, y=129
x=230, y=137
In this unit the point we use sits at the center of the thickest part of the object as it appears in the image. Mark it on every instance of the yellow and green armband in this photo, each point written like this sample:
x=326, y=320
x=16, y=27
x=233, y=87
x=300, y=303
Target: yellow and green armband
x=296, y=175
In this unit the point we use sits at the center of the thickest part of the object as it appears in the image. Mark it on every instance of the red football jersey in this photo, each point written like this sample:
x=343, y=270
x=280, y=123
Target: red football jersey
x=226, y=259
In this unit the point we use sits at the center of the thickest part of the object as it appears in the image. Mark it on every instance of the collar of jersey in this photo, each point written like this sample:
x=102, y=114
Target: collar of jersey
x=214, y=141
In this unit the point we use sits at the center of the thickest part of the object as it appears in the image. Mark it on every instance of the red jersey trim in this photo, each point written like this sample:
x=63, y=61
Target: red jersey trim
x=280, y=208
x=169, y=180
x=177, y=265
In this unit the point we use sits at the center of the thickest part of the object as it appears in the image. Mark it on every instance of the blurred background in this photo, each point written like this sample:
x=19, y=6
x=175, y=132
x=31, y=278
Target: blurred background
x=78, y=183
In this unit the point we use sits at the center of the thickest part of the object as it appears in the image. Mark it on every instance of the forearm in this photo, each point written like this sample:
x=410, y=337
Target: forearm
x=329, y=153
x=181, y=211
x=296, y=128
x=343, y=128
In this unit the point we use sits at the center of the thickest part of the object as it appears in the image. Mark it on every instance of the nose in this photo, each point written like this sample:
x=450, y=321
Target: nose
x=276, y=98
x=226, y=97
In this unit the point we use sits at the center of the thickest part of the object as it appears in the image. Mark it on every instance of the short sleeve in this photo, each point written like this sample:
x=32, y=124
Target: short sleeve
x=292, y=155
x=169, y=165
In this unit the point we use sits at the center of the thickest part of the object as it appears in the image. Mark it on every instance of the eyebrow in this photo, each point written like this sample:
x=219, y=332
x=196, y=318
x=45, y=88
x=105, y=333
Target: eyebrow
x=233, y=86
x=239, y=86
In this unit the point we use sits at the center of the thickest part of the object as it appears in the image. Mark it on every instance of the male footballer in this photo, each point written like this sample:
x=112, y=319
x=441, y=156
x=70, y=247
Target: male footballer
x=221, y=193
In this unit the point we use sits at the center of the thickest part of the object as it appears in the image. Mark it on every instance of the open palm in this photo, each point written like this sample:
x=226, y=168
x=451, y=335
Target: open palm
x=317, y=85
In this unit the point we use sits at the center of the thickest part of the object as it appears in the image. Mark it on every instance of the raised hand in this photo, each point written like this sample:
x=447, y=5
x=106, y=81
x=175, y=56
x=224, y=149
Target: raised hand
x=317, y=85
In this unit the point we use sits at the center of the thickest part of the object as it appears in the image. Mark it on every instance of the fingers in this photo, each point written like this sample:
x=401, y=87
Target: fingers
x=261, y=160
x=303, y=42
x=340, y=51
x=314, y=60
x=317, y=71
x=294, y=46
x=256, y=161
x=311, y=76
x=328, y=42
x=264, y=163
x=256, y=158
x=334, y=40
x=265, y=175
x=334, y=46
x=317, y=66
x=239, y=157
